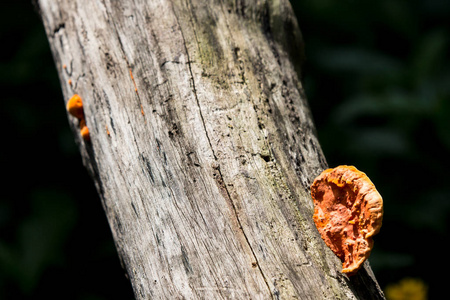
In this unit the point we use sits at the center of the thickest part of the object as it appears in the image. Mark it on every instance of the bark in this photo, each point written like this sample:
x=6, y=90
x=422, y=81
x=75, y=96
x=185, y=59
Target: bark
x=202, y=145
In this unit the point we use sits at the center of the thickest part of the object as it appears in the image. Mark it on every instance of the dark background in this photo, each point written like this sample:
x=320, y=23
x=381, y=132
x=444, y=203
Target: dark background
x=377, y=77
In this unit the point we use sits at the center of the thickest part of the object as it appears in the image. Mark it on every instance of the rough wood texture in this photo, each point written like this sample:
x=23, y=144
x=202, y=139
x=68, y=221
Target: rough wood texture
x=202, y=145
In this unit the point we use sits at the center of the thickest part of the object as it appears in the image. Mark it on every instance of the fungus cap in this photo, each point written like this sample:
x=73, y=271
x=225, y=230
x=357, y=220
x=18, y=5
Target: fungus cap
x=75, y=106
x=348, y=211
x=84, y=130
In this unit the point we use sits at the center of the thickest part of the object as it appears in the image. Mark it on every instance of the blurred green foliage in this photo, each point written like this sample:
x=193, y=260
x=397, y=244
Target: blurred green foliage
x=377, y=76
x=54, y=237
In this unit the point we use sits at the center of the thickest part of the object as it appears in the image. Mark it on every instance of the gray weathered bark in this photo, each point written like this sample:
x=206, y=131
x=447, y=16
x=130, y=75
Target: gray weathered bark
x=202, y=145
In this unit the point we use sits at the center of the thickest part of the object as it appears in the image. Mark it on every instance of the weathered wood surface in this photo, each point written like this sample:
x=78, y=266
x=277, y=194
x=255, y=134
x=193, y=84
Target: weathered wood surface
x=202, y=145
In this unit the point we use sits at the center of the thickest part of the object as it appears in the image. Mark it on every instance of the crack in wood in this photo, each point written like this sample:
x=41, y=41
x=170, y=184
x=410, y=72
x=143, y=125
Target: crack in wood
x=171, y=61
x=122, y=48
x=58, y=28
x=223, y=185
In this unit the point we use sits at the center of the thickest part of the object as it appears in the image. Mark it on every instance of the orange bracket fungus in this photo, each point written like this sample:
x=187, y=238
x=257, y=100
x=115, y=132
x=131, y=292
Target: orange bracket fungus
x=75, y=108
x=348, y=211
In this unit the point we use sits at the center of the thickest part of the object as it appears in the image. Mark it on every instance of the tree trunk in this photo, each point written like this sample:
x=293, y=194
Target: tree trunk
x=202, y=145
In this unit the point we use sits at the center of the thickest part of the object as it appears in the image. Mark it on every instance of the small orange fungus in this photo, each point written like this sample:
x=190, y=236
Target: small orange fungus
x=75, y=108
x=348, y=211
x=84, y=131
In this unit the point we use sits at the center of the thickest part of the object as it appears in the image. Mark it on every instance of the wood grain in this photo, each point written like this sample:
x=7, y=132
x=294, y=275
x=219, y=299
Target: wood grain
x=202, y=145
